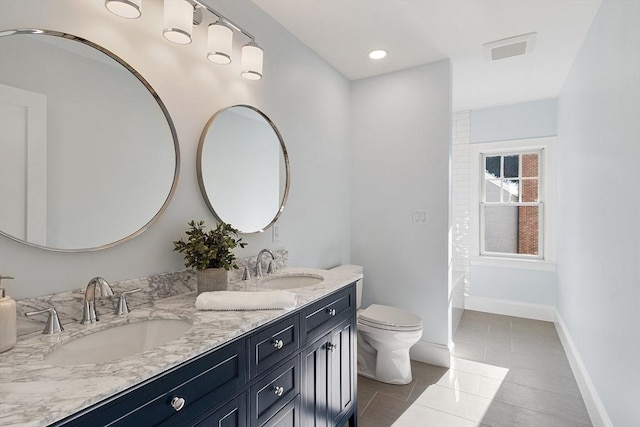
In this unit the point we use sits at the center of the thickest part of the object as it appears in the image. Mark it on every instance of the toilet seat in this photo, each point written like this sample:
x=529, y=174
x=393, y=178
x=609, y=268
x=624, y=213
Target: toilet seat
x=389, y=318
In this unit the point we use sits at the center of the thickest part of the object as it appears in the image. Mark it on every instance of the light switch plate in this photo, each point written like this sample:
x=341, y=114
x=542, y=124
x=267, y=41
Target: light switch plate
x=420, y=216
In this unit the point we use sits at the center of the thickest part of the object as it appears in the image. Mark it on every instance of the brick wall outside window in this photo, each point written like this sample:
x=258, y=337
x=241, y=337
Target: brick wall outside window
x=528, y=215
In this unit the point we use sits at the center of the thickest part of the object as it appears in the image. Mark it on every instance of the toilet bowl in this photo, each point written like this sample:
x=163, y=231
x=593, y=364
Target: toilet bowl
x=385, y=336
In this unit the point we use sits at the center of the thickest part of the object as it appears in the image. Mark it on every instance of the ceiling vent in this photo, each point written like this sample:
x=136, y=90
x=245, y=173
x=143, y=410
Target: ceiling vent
x=506, y=48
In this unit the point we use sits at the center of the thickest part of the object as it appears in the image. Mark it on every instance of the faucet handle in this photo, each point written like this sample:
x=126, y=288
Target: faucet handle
x=5, y=278
x=246, y=274
x=53, y=325
x=122, y=307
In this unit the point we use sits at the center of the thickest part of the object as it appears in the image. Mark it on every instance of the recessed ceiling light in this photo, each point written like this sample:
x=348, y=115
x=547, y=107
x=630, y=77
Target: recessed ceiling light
x=377, y=54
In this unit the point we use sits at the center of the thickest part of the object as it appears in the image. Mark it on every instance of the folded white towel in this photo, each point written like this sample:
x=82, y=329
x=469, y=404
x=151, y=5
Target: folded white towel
x=231, y=300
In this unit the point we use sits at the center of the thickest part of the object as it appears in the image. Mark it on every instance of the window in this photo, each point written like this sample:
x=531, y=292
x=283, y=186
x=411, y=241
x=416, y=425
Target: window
x=512, y=197
x=511, y=207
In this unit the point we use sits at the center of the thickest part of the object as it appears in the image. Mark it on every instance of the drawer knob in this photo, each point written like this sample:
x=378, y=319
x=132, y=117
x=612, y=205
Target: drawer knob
x=277, y=344
x=278, y=391
x=332, y=347
x=177, y=403
x=331, y=311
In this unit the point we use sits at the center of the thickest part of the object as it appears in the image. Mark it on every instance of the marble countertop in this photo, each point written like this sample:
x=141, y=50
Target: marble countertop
x=33, y=393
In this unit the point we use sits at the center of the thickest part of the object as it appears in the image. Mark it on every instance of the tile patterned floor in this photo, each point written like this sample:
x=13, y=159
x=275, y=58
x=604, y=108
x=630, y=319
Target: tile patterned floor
x=507, y=372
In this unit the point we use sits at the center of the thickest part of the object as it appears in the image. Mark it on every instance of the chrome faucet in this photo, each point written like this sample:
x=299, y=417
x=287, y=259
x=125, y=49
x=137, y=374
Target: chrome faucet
x=270, y=267
x=89, y=314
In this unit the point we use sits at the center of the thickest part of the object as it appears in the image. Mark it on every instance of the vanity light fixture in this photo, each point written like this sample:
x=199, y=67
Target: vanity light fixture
x=220, y=42
x=251, y=65
x=377, y=54
x=129, y=9
x=178, y=21
x=179, y=18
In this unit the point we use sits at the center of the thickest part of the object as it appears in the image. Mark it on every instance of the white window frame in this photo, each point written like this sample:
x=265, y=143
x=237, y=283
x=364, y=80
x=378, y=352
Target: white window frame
x=539, y=204
x=547, y=190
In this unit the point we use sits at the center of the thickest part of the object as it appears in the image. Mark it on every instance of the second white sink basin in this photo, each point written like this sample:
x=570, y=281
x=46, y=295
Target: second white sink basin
x=117, y=342
x=291, y=282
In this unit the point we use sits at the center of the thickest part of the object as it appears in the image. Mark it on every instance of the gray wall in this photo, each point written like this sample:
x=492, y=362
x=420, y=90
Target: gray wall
x=598, y=236
x=517, y=121
x=307, y=99
x=401, y=150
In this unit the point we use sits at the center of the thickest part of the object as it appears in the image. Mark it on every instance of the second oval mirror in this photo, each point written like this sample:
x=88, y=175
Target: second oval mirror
x=243, y=168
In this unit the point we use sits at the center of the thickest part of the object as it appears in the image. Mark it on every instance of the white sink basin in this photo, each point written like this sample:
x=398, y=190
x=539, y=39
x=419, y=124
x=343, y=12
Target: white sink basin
x=291, y=282
x=118, y=342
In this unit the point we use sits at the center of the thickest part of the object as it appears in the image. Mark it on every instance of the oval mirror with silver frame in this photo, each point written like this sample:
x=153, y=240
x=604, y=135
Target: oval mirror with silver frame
x=243, y=168
x=89, y=156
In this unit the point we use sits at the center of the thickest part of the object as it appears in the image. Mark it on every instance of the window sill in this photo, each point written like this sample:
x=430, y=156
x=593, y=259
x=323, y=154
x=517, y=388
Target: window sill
x=524, y=264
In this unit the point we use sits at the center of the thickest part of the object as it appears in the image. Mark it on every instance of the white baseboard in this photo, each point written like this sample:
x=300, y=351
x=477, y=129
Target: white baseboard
x=595, y=408
x=434, y=354
x=510, y=308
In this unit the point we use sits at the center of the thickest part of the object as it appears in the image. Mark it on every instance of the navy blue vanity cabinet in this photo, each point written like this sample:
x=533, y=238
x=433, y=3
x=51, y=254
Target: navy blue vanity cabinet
x=295, y=371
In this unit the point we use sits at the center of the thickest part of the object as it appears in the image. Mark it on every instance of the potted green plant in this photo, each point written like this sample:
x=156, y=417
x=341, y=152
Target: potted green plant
x=210, y=253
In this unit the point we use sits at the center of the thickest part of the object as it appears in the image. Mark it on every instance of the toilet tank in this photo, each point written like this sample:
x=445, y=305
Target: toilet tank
x=355, y=269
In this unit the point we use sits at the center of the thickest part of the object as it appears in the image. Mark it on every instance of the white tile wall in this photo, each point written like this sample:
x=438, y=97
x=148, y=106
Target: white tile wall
x=461, y=195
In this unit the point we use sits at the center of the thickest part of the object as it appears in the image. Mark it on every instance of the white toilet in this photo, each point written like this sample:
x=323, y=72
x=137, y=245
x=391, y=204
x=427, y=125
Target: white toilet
x=385, y=335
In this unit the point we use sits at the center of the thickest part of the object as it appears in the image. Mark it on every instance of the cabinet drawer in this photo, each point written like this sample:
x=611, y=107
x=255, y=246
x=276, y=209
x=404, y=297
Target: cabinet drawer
x=215, y=375
x=273, y=344
x=289, y=416
x=274, y=391
x=210, y=412
x=320, y=317
x=232, y=414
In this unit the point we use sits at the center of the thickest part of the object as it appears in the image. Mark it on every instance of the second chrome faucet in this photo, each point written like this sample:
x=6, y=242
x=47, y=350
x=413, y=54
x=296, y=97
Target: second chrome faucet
x=270, y=267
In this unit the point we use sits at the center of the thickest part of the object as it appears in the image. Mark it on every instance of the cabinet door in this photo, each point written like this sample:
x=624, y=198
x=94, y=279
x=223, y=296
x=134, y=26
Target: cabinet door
x=342, y=378
x=315, y=383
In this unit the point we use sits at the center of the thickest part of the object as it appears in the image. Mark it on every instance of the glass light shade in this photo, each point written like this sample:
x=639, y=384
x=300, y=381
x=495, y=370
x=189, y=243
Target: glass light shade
x=178, y=21
x=129, y=9
x=251, y=63
x=220, y=43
